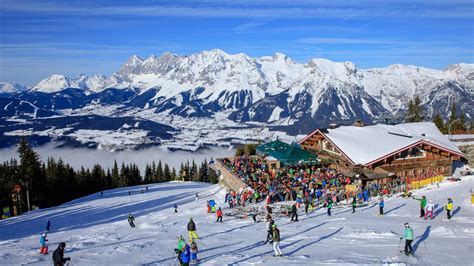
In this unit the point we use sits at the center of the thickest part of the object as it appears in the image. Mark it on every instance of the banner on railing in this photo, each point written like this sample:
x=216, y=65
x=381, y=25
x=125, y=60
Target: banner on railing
x=426, y=182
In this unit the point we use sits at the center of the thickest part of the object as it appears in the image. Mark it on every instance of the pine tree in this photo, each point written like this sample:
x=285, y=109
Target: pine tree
x=115, y=176
x=32, y=173
x=173, y=175
x=148, y=174
x=167, y=173
x=462, y=122
x=415, y=111
x=439, y=123
x=160, y=176
x=194, y=174
x=213, y=178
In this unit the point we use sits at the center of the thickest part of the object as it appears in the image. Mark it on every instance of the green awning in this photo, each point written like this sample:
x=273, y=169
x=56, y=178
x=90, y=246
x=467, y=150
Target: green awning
x=286, y=153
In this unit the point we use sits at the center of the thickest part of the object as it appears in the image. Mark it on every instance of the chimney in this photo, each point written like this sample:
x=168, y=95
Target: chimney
x=358, y=123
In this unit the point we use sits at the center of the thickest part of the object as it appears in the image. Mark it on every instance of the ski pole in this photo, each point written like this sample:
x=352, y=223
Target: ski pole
x=399, y=244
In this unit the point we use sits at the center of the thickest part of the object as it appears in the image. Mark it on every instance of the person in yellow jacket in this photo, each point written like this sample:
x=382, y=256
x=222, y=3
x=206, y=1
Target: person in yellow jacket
x=449, y=208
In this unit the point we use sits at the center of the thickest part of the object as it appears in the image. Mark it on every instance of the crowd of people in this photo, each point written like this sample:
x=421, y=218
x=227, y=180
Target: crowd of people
x=303, y=183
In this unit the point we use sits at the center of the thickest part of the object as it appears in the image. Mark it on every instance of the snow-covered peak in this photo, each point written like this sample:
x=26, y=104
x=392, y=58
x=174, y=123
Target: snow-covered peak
x=334, y=69
x=53, y=83
x=8, y=87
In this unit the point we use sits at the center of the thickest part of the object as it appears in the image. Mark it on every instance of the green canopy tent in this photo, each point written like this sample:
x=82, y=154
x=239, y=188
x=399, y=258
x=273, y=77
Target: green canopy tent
x=286, y=153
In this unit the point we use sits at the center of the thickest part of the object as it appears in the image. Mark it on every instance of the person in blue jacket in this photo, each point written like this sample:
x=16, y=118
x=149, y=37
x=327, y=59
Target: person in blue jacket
x=43, y=246
x=381, y=205
x=186, y=255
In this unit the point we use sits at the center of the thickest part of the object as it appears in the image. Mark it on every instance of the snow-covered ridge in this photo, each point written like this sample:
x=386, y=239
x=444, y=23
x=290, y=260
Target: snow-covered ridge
x=9, y=87
x=276, y=72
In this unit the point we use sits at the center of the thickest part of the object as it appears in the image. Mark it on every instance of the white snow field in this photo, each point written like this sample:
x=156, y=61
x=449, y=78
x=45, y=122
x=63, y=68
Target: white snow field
x=96, y=231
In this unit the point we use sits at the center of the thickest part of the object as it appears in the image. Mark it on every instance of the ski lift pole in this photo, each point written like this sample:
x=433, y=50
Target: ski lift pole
x=28, y=196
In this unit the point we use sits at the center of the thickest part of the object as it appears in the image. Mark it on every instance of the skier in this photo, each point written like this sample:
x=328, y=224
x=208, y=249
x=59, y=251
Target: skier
x=48, y=224
x=422, y=205
x=354, y=203
x=175, y=208
x=449, y=208
x=381, y=205
x=276, y=241
x=329, y=205
x=294, y=216
x=269, y=225
x=44, y=247
x=101, y=194
x=429, y=210
x=212, y=203
x=192, y=230
x=58, y=255
x=408, y=236
x=185, y=255
x=209, y=207
x=197, y=196
x=131, y=220
x=306, y=205
x=194, y=252
x=179, y=250
x=146, y=188
x=219, y=215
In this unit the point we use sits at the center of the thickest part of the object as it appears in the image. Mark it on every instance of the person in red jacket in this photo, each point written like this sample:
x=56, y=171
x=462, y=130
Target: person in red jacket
x=219, y=215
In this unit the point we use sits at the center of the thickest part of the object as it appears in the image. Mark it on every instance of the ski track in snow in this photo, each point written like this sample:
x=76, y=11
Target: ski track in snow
x=97, y=232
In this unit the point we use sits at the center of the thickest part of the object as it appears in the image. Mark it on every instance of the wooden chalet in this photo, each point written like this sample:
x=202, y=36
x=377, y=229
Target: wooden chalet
x=405, y=150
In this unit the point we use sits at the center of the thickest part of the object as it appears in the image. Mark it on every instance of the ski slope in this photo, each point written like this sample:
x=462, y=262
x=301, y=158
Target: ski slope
x=96, y=231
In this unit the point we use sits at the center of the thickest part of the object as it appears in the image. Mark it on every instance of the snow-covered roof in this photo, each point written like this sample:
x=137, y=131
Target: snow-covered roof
x=369, y=144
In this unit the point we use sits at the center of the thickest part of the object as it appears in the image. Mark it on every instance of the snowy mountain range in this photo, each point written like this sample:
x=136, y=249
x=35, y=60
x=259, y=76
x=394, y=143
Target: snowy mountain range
x=238, y=90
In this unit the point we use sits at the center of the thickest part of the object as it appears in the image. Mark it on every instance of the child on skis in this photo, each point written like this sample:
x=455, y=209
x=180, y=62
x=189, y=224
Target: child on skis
x=194, y=251
x=175, y=208
x=381, y=205
x=131, y=220
x=219, y=215
x=449, y=208
x=329, y=206
x=429, y=210
x=43, y=247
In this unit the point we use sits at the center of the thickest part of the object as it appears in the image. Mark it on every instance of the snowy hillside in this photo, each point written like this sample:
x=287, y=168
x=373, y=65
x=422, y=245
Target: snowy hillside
x=96, y=231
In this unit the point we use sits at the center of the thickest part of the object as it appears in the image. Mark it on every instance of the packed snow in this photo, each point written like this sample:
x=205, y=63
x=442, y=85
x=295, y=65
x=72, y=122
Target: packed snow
x=96, y=230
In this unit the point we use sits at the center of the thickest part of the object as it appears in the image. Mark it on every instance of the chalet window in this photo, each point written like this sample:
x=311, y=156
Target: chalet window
x=327, y=146
x=411, y=153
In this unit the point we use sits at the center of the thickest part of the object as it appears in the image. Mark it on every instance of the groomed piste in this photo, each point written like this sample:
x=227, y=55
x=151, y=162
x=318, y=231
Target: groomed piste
x=96, y=231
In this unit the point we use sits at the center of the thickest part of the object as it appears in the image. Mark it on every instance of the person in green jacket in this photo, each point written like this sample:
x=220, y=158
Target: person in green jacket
x=408, y=236
x=329, y=206
x=181, y=245
x=276, y=241
x=422, y=205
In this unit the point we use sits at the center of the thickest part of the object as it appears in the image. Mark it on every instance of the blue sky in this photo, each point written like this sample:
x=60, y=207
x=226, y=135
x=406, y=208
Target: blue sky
x=40, y=38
